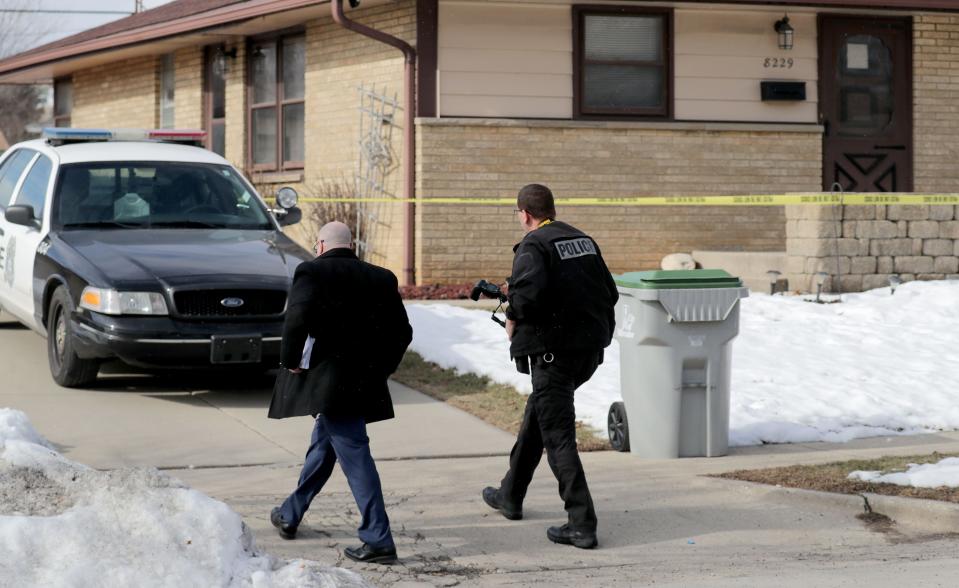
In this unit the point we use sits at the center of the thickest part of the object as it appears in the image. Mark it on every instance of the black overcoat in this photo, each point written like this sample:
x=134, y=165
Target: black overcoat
x=354, y=312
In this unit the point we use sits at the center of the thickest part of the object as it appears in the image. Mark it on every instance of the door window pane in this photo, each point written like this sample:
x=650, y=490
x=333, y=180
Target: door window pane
x=623, y=38
x=293, y=132
x=10, y=173
x=264, y=136
x=866, y=101
x=294, y=62
x=217, y=92
x=264, y=72
x=62, y=97
x=33, y=192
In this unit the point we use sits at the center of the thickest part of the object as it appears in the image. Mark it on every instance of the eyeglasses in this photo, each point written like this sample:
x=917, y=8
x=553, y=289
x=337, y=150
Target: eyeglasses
x=316, y=246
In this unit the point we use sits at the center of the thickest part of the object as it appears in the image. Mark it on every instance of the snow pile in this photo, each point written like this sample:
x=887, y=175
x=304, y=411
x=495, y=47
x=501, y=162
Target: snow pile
x=927, y=475
x=64, y=524
x=874, y=365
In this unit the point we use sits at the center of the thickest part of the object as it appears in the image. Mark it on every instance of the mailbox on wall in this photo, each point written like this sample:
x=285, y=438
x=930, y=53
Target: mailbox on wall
x=783, y=91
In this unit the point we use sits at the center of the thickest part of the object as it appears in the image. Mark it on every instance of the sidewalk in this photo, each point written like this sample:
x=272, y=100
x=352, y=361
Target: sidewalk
x=661, y=522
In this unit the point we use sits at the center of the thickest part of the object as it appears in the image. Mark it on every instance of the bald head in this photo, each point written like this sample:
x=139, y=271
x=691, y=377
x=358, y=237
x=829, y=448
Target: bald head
x=335, y=235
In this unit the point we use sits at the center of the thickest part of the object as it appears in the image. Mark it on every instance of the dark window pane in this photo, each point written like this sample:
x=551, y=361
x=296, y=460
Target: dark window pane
x=264, y=136
x=624, y=38
x=293, y=132
x=167, y=86
x=294, y=62
x=263, y=57
x=218, y=138
x=10, y=173
x=62, y=97
x=33, y=192
x=217, y=92
x=622, y=87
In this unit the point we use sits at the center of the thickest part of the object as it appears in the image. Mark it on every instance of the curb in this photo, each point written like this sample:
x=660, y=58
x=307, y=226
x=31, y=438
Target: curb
x=931, y=516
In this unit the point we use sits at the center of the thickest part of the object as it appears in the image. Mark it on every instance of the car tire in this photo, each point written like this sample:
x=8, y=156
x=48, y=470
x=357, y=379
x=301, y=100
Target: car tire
x=618, y=427
x=67, y=369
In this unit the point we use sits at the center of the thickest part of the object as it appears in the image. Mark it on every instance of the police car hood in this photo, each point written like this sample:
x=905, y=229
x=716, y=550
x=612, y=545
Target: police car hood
x=128, y=256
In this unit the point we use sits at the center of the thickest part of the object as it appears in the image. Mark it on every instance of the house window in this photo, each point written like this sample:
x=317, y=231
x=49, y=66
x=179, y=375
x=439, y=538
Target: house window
x=622, y=62
x=62, y=102
x=167, y=84
x=276, y=96
x=214, y=101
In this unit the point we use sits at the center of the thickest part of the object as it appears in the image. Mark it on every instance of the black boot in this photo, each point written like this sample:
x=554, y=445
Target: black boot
x=567, y=536
x=367, y=554
x=493, y=498
x=286, y=530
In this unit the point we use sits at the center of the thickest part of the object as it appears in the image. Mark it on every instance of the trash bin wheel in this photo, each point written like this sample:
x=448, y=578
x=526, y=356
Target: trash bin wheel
x=618, y=427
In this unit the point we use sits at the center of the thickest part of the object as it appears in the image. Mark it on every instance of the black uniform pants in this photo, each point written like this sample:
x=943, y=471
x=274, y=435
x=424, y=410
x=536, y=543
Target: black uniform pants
x=550, y=422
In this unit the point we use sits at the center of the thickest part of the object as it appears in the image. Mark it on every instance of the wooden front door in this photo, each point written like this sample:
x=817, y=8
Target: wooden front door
x=866, y=103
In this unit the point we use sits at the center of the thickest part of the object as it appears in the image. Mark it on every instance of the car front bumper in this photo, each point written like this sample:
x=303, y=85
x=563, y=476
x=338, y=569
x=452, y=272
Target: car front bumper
x=162, y=342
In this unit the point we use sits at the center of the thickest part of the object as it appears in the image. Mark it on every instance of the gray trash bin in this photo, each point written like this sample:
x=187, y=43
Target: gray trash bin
x=675, y=330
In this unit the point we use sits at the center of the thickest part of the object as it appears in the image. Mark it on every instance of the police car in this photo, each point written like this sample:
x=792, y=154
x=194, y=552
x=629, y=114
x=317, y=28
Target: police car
x=142, y=246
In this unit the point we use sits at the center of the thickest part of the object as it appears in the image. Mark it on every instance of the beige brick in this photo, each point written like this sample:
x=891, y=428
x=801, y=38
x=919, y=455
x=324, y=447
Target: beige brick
x=884, y=265
x=930, y=277
x=914, y=264
x=859, y=212
x=879, y=229
x=923, y=229
x=851, y=283
x=946, y=265
x=811, y=229
x=949, y=229
x=863, y=265
x=795, y=264
x=829, y=265
x=891, y=247
x=903, y=228
x=936, y=247
x=941, y=213
x=908, y=212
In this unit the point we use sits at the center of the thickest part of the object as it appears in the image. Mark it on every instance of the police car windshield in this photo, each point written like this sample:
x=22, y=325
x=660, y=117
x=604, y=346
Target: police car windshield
x=131, y=195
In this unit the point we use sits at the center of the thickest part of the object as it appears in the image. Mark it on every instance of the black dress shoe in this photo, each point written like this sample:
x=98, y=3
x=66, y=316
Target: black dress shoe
x=567, y=536
x=367, y=554
x=492, y=497
x=286, y=530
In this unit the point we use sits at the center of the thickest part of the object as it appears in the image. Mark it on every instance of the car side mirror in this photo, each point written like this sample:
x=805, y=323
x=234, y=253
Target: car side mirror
x=21, y=214
x=290, y=216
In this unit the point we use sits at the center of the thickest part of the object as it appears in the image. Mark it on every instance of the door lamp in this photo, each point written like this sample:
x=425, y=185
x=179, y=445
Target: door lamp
x=785, y=32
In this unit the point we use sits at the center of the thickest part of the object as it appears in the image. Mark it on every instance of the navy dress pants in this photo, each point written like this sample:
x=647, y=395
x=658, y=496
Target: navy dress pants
x=342, y=439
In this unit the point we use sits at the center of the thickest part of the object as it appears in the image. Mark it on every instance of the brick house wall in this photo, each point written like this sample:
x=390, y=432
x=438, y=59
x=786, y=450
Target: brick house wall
x=494, y=158
x=122, y=92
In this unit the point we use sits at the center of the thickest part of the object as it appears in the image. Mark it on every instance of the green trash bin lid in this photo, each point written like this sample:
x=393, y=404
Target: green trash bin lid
x=678, y=279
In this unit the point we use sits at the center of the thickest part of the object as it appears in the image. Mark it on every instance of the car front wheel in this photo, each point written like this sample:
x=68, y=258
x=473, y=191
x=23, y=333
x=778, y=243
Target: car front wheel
x=66, y=367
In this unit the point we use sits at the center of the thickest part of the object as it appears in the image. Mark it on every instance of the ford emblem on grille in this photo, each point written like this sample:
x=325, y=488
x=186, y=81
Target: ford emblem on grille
x=232, y=302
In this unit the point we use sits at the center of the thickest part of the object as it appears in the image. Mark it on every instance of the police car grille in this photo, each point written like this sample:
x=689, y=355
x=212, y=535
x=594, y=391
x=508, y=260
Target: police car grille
x=209, y=303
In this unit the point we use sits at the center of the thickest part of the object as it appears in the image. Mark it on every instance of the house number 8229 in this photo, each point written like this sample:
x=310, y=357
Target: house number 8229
x=778, y=62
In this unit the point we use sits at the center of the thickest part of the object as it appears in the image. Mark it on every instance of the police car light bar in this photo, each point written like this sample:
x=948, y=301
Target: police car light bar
x=61, y=135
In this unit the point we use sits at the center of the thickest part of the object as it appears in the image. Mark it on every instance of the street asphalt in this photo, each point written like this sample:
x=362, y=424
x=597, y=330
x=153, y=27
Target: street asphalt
x=662, y=523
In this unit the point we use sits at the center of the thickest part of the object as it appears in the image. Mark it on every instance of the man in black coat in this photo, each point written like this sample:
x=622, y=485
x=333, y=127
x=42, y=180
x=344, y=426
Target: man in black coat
x=560, y=318
x=346, y=331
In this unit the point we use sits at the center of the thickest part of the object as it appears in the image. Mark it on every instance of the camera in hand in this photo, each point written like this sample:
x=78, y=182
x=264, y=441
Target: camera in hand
x=484, y=288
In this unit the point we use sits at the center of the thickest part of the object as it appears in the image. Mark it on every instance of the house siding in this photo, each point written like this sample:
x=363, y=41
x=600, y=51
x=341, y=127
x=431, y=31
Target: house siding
x=517, y=61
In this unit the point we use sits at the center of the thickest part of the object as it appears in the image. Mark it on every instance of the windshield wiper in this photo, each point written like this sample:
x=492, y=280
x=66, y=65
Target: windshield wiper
x=187, y=224
x=102, y=224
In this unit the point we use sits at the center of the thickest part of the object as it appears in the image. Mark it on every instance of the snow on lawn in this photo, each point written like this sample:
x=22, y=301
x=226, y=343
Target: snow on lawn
x=873, y=365
x=927, y=475
x=64, y=524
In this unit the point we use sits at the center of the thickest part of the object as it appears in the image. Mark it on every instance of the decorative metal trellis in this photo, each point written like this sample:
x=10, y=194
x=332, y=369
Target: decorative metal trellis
x=376, y=161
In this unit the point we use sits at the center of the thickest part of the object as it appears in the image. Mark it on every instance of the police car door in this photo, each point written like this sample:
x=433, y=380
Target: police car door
x=22, y=241
x=12, y=170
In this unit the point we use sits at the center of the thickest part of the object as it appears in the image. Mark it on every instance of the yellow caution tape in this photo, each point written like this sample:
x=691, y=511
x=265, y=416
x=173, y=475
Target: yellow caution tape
x=744, y=200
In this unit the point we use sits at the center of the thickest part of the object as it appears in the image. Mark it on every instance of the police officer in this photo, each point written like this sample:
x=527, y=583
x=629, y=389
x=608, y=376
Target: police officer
x=559, y=320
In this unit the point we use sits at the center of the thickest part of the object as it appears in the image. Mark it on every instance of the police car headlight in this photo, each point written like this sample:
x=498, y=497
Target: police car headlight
x=107, y=301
